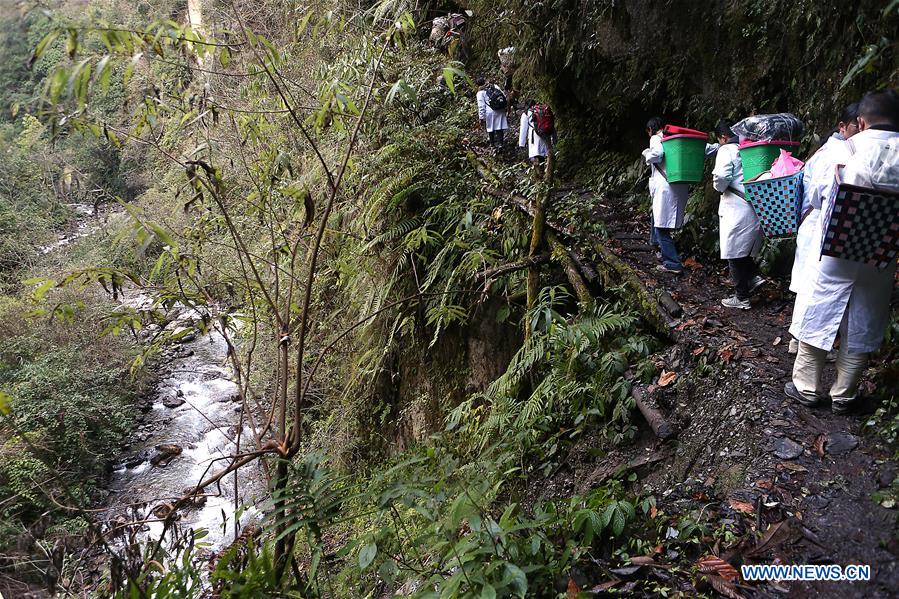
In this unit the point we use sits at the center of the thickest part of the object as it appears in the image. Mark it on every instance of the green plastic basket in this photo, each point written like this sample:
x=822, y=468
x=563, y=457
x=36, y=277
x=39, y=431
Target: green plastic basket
x=684, y=158
x=757, y=157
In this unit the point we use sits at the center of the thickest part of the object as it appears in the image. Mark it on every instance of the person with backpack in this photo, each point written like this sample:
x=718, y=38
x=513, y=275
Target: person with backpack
x=481, y=99
x=739, y=230
x=669, y=200
x=537, y=130
x=817, y=178
x=495, y=115
x=849, y=298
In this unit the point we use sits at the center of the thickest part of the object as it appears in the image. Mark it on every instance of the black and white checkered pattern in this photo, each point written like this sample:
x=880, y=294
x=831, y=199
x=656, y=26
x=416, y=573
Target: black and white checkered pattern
x=862, y=225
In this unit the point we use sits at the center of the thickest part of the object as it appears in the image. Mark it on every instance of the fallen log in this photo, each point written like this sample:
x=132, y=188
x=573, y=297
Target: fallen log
x=657, y=422
x=610, y=268
x=504, y=269
x=571, y=269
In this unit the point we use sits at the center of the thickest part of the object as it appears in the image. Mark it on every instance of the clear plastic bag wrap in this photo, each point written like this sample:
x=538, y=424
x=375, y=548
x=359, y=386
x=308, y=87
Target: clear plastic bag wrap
x=782, y=126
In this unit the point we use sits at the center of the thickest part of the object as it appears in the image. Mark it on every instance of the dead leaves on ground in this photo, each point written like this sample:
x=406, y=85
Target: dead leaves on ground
x=820, y=441
x=741, y=506
x=667, y=377
x=692, y=264
x=721, y=575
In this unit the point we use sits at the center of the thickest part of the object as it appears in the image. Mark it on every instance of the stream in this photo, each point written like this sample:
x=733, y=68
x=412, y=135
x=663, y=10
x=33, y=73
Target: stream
x=191, y=425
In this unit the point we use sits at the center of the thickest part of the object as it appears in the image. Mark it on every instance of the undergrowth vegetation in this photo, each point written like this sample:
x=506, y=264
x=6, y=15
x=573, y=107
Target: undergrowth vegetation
x=304, y=188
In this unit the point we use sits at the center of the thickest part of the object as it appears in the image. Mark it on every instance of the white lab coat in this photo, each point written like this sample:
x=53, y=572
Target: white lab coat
x=738, y=227
x=496, y=119
x=481, y=98
x=528, y=137
x=669, y=200
x=816, y=181
x=850, y=294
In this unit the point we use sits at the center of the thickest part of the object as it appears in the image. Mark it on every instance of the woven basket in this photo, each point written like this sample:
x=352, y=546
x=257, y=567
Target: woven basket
x=776, y=202
x=862, y=225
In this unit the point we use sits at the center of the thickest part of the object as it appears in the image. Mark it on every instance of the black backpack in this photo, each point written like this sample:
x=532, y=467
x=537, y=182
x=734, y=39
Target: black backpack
x=496, y=99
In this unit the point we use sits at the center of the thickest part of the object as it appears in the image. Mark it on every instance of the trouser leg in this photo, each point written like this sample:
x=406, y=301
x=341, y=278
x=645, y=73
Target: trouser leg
x=807, y=369
x=670, y=257
x=500, y=134
x=653, y=234
x=742, y=270
x=849, y=371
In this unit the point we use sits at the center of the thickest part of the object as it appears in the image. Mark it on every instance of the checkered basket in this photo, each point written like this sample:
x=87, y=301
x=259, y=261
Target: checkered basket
x=862, y=225
x=776, y=202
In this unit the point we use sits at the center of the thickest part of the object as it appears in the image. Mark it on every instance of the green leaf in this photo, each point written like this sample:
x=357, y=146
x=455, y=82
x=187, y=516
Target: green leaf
x=104, y=71
x=57, y=83
x=5, y=400
x=162, y=235
x=71, y=42
x=367, y=555
x=618, y=521
x=42, y=46
x=488, y=592
x=42, y=289
x=607, y=515
x=515, y=579
x=224, y=56
x=448, y=76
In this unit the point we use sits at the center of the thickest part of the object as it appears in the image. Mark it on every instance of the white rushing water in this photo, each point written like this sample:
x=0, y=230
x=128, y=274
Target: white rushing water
x=85, y=224
x=205, y=428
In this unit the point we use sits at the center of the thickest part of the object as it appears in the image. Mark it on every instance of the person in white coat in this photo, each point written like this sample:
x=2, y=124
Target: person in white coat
x=739, y=231
x=495, y=118
x=669, y=200
x=537, y=147
x=849, y=298
x=816, y=181
x=481, y=99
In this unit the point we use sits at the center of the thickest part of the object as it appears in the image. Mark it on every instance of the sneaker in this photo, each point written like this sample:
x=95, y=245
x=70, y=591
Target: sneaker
x=793, y=393
x=663, y=268
x=843, y=407
x=793, y=348
x=755, y=283
x=735, y=302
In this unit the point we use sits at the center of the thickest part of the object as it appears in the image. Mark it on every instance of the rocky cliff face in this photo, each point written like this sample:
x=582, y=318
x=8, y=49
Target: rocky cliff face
x=610, y=64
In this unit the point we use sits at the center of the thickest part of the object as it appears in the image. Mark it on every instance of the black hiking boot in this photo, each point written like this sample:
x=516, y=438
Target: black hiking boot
x=793, y=393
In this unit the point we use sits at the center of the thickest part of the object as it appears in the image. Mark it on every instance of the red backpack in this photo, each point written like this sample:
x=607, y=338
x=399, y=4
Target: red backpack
x=543, y=121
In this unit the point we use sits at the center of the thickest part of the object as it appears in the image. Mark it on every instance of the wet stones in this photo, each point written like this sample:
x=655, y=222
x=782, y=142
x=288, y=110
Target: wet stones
x=840, y=443
x=174, y=400
x=165, y=453
x=787, y=449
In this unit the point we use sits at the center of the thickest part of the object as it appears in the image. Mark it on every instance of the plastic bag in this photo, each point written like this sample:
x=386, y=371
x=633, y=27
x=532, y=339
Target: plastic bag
x=439, y=27
x=769, y=127
x=786, y=165
x=507, y=61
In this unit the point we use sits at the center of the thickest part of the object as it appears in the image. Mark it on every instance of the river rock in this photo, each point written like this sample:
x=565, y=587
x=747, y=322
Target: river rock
x=787, y=449
x=174, y=401
x=840, y=443
x=165, y=453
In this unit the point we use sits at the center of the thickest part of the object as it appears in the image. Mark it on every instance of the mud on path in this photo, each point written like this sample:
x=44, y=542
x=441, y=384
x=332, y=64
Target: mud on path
x=796, y=482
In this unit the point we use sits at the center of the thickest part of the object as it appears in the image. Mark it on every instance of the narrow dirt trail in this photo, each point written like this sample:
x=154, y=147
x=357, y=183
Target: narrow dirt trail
x=794, y=485
x=808, y=474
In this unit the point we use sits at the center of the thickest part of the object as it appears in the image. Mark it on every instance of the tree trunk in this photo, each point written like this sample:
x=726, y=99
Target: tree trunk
x=539, y=224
